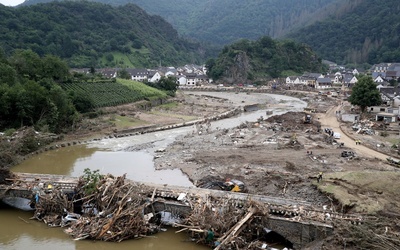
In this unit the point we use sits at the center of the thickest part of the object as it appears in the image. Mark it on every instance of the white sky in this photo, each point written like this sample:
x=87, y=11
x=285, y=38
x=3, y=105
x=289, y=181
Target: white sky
x=11, y=2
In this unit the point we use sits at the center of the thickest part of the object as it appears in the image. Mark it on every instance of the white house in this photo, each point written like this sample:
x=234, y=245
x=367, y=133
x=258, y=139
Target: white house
x=295, y=80
x=379, y=79
x=323, y=83
x=349, y=80
x=181, y=79
x=156, y=77
x=191, y=79
x=292, y=80
x=386, y=117
x=139, y=75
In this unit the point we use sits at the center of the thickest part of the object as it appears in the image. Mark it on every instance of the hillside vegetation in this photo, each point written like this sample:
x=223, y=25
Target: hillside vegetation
x=262, y=59
x=110, y=93
x=225, y=21
x=364, y=31
x=40, y=92
x=88, y=34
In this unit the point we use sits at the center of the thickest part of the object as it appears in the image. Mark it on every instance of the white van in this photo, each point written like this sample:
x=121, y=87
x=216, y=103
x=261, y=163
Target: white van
x=336, y=135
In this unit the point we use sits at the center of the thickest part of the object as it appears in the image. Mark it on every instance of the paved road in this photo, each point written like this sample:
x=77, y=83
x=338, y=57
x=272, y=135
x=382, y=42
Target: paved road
x=329, y=120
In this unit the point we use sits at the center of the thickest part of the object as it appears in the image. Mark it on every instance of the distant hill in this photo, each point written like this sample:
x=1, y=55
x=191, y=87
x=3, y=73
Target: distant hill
x=225, y=21
x=265, y=58
x=362, y=31
x=89, y=34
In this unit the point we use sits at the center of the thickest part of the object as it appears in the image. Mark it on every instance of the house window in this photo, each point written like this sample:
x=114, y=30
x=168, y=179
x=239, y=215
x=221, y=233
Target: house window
x=382, y=110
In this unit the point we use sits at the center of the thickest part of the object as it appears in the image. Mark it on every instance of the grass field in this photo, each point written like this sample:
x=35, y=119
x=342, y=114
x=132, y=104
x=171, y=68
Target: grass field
x=366, y=191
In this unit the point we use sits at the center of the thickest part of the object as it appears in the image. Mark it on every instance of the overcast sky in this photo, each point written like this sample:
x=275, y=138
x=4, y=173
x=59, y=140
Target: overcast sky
x=11, y=2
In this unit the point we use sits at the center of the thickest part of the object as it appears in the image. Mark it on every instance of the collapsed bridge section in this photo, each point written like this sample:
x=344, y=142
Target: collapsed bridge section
x=297, y=221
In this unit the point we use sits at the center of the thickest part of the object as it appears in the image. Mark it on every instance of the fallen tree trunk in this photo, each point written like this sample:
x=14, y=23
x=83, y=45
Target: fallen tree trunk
x=232, y=233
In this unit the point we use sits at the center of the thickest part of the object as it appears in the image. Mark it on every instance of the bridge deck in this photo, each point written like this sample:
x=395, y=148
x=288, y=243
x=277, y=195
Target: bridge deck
x=25, y=182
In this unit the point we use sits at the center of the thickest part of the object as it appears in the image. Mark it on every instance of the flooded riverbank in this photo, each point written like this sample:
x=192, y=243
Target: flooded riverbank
x=131, y=155
x=17, y=232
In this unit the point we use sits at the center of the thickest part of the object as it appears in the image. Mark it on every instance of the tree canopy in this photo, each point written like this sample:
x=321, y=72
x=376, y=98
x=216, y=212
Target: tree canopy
x=365, y=93
x=263, y=58
x=40, y=92
x=90, y=34
x=361, y=31
x=226, y=21
x=30, y=95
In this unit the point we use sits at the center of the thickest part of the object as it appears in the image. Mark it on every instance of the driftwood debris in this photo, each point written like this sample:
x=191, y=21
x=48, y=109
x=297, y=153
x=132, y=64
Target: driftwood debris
x=115, y=209
x=219, y=222
x=232, y=233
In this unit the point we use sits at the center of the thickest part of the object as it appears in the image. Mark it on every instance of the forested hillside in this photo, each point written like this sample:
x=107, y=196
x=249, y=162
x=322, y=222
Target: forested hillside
x=364, y=31
x=88, y=34
x=225, y=21
x=247, y=60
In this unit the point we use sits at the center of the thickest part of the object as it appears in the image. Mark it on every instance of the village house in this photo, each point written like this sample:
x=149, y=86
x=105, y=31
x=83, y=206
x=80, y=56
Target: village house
x=191, y=79
x=139, y=75
x=323, y=83
x=393, y=72
x=307, y=79
x=388, y=95
x=155, y=76
x=349, y=80
x=296, y=80
x=379, y=69
x=108, y=72
x=379, y=79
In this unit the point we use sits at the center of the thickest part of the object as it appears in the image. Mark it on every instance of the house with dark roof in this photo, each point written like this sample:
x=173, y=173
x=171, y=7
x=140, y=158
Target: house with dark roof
x=323, y=83
x=349, y=80
x=139, y=75
x=379, y=69
x=388, y=94
x=393, y=71
x=108, y=72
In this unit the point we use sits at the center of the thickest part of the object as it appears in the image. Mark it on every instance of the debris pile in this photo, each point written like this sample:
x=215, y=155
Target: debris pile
x=5, y=175
x=115, y=212
x=374, y=233
x=224, y=223
x=110, y=210
x=366, y=127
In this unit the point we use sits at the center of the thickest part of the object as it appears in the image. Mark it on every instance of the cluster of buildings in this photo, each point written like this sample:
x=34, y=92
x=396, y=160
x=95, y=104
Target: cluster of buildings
x=188, y=75
x=382, y=74
x=385, y=75
x=320, y=81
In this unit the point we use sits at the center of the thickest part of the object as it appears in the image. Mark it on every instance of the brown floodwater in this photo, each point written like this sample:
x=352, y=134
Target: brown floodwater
x=71, y=161
x=17, y=231
x=112, y=156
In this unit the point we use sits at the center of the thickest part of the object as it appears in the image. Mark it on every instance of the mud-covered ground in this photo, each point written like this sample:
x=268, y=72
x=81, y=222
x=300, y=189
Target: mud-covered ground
x=279, y=156
x=269, y=156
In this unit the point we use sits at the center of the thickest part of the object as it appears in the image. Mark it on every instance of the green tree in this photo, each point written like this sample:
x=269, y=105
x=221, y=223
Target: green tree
x=365, y=93
x=27, y=64
x=123, y=73
x=55, y=68
x=169, y=84
x=7, y=74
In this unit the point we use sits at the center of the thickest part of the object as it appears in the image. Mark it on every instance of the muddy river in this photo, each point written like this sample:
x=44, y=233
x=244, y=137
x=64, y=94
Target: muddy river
x=130, y=155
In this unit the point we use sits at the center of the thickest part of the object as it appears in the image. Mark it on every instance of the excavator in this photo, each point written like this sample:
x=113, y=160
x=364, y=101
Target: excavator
x=232, y=185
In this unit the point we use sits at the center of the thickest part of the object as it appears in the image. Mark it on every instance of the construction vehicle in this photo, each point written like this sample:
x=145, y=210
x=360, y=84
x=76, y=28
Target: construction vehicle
x=234, y=186
x=229, y=185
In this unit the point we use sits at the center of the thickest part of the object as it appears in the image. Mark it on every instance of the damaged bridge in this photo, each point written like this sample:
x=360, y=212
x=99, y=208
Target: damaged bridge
x=297, y=221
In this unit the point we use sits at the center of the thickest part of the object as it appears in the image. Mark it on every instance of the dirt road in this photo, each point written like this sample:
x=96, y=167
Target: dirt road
x=329, y=120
